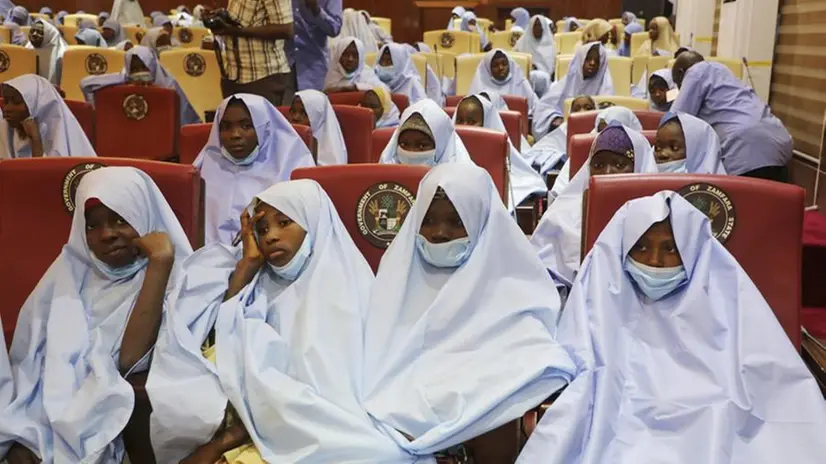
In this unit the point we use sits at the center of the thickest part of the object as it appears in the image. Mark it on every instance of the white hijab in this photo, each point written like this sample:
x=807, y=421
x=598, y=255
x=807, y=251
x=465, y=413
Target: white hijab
x=325, y=126
x=50, y=52
x=449, y=147
x=515, y=84
x=364, y=78
x=354, y=24
x=543, y=50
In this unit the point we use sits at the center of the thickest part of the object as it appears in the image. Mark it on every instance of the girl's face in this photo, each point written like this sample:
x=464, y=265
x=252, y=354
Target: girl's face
x=279, y=237
x=350, y=58
x=470, y=113
x=583, y=104
x=15, y=110
x=591, y=64
x=657, y=247
x=109, y=237
x=413, y=140
x=657, y=90
x=372, y=101
x=537, y=30
x=108, y=34
x=37, y=34
x=606, y=162
x=298, y=114
x=670, y=142
x=499, y=66
x=236, y=131
x=653, y=31
x=441, y=223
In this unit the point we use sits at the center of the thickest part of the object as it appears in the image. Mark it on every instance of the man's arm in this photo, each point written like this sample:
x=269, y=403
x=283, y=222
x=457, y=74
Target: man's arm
x=327, y=19
x=692, y=93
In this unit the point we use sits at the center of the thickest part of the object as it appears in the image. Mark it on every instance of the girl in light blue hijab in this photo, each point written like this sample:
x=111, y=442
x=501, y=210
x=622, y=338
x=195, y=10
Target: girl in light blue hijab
x=461, y=320
x=312, y=108
x=687, y=144
x=91, y=37
x=498, y=72
x=425, y=137
x=251, y=146
x=141, y=66
x=20, y=16
x=36, y=122
x=395, y=69
x=674, y=347
x=469, y=24
x=521, y=17
x=91, y=321
x=457, y=13
x=266, y=342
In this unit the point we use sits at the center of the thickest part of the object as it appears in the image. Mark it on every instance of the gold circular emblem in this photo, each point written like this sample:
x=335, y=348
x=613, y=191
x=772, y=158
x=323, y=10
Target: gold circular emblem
x=96, y=64
x=515, y=36
x=71, y=181
x=194, y=64
x=381, y=211
x=447, y=40
x=135, y=107
x=5, y=61
x=715, y=204
x=185, y=35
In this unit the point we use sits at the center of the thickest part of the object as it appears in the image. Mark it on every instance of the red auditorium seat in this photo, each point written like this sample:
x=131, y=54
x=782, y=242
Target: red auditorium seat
x=136, y=122
x=357, y=128
x=579, y=147
x=487, y=148
x=354, y=98
x=765, y=240
x=85, y=115
x=518, y=104
x=24, y=266
x=582, y=123
x=194, y=137
x=512, y=121
x=372, y=186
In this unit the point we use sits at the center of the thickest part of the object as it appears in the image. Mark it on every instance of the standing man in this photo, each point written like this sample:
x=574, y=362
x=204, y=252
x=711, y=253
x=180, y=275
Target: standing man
x=252, y=58
x=754, y=142
x=315, y=21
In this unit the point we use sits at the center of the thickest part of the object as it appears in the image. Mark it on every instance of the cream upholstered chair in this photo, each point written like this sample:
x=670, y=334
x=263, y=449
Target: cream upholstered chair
x=454, y=42
x=198, y=75
x=191, y=37
x=68, y=33
x=82, y=61
x=563, y=62
x=74, y=19
x=567, y=41
x=466, y=66
x=5, y=35
x=734, y=64
x=620, y=69
x=134, y=33
x=420, y=63
x=637, y=39
x=386, y=24
x=649, y=63
x=16, y=61
x=627, y=102
x=504, y=39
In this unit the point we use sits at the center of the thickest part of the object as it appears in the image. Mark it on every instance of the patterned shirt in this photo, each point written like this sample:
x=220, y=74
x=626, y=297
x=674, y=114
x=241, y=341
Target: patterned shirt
x=258, y=58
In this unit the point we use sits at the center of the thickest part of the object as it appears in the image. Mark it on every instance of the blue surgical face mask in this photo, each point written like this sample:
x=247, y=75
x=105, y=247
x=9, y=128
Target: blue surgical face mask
x=420, y=158
x=120, y=273
x=673, y=167
x=349, y=75
x=292, y=269
x=656, y=282
x=446, y=255
x=385, y=73
x=246, y=161
x=505, y=80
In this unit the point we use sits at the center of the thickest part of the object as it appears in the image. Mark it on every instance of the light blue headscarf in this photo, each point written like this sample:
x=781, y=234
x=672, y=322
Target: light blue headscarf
x=707, y=364
x=230, y=187
x=467, y=348
x=363, y=78
x=521, y=17
x=458, y=11
x=449, y=147
x=115, y=26
x=18, y=37
x=161, y=78
x=570, y=21
x=60, y=132
x=289, y=354
x=630, y=29
x=483, y=37
x=325, y=126
x=71, y=401
x=58, y=18
x=524, y=181
x=542, y=51
x=702, y=145
x=404, y=78
x=6, y=386
x=571, y=86
x=517, y=84
x=19, y=15
x=91, y=37
x=50, y=52
x=557, y=237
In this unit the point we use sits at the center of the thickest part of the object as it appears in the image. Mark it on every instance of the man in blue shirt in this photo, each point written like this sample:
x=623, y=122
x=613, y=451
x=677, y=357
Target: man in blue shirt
x=315, y=21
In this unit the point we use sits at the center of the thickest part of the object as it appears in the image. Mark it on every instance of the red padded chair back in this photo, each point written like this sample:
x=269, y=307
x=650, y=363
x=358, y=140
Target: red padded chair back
x=306, y=134
x=40, y=218
x=285, y=111
x=193, y=139
x=357, y=128
x=489, y=150
x=582, y=123
x=766, y=239
x=381, y=137
x=512, y=121
x=357, y=190
x=136, y=122
x=518, y=104
x=579, y=147
x=401, y=101
x=85, y=115
x=354, y=98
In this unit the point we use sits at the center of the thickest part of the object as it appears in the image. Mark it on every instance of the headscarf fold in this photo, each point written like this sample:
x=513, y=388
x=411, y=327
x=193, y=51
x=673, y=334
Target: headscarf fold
x=325, y=126
x=60, y=132
x=50, y=52
x=516, y=83
x=230, y=187
x=20, y=16
x=542, y=51
x=115, y=26
x=708, y=363
x=468, y=348
x=71, y=401
x=521, y=17
x=91, y=37
x=449, y=147
x=354, y=25
x=406, y=79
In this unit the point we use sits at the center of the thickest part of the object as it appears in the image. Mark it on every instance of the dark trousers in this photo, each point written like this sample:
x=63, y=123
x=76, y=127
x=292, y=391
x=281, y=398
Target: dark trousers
x=775, y=173
x=273, y=88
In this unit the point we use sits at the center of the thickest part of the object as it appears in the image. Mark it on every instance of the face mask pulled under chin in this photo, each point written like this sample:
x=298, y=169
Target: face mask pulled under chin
x=246, y=161
x=143, y=76
x=418, y=158
x=656, y=282
x=293, y=268
x=505, y=80
x=444, y=255
x=673, y=167
x=385, y=73
x=120, y=273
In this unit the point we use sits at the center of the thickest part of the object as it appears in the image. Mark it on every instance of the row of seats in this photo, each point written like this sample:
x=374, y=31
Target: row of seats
x=188, y=37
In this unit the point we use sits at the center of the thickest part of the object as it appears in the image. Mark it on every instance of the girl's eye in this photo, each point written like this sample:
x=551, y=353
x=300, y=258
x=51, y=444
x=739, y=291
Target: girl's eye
x=120, y=221
x=89, y=227
x=284, y=222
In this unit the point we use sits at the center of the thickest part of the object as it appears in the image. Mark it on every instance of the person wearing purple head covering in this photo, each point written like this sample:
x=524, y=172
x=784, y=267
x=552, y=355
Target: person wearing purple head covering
x=314, y=21
x=755, y=143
